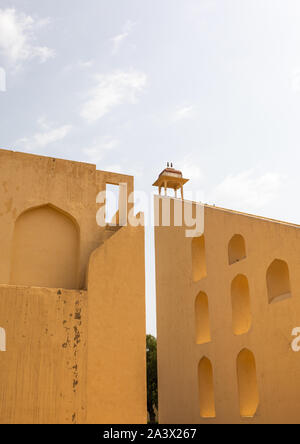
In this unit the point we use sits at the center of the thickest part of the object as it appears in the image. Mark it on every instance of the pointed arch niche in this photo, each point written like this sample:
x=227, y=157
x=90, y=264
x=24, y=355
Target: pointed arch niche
x=241, y=306
x=278, y=281
x=198, y=258
x=203, y=335
x=236, y=249
x=45, y=249
x=206, y=389
x=247, y=384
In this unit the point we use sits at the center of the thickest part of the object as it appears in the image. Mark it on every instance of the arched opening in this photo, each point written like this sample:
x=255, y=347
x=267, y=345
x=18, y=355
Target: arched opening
x=45, y=249
x=2, y=340
x=236, y=249
x=206, y=389
x=278, y=281
x=198, y=258
x=202, y=319
x=247, y=383
x=241, y=307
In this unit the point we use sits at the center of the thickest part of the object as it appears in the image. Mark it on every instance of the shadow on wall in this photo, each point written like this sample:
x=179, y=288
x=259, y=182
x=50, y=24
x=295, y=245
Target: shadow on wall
x=203, y=335
x=247, y=384
x=236, y=249
x=198, y=258
x=206, y=389
x=241, y=310
x=278, y=281
x=45, y=249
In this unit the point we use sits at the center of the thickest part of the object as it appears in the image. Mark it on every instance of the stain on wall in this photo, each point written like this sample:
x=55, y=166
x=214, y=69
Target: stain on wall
x=72, y=356
x=43, y=371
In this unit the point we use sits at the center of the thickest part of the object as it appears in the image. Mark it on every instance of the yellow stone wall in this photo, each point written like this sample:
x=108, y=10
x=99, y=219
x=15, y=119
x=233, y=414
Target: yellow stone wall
x=43, y=371
x=116, y=286
x=236, y=364
x=29, y=182
x=72, y=355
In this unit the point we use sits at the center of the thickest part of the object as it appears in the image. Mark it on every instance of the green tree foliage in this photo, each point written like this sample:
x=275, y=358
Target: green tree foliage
x=152, y=397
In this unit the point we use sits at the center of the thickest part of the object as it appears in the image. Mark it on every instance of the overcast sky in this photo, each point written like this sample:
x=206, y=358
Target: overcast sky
x=212, y=85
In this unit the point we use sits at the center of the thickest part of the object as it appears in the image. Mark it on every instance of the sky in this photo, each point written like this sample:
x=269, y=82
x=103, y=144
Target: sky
x=210, y=85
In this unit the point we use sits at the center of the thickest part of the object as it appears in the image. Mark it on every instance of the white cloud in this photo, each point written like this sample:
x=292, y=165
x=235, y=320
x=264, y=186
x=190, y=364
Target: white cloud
x=112, y=90
x=119, y=39
x=79, y=65
x=182, y=113
x=85, y=64
x=17, y=37
x=190, y=169
x=115, y=168
x=97, y=152
x=247, y=191
x=47, y=136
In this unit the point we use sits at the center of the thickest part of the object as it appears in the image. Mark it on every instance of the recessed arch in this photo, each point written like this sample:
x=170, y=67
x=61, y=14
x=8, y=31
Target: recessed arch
x=2, y=340
x=241, y=306
x=198, y=258
x=203, y=335
x=206, y=389
x=236, y=249
x=278, y=281
x=45, y=249
x=247, y=383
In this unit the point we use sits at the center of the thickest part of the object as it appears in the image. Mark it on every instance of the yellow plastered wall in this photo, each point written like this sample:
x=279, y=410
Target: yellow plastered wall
x=29, y=182
x=43, y=370
x=117, y=347
x=67, y=355
x=266, y=330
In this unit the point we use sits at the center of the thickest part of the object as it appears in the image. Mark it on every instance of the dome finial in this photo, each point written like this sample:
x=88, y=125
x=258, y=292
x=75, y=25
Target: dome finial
x=170, y=178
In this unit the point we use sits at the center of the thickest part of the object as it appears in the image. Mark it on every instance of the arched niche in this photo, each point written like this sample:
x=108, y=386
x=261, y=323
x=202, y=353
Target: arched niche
x=236, y=249
x=247, y=384
x=206, y=389
x=203, y=335
x=45, y=249
x=198, y=258
x=278, y=281
x=241, y=307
